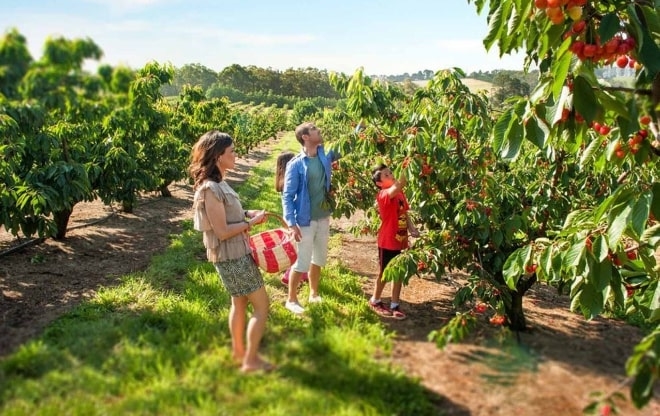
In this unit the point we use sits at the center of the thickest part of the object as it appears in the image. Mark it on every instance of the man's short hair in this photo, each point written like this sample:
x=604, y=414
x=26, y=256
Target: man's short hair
x=302, y=129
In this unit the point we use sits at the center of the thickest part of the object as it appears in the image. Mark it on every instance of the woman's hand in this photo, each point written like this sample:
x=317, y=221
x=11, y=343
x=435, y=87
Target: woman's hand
x=257, y=217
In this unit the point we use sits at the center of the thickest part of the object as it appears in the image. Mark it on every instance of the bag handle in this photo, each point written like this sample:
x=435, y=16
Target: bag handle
x=277, y=217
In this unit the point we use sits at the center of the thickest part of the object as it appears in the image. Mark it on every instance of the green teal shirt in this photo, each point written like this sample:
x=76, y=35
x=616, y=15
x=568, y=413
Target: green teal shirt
x=316, y=186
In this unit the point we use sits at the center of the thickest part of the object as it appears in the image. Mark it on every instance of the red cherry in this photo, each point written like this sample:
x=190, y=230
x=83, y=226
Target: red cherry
x=622, y=61
x=497, y=320
x=578, y=26
x=590, y=50
x=480, y=307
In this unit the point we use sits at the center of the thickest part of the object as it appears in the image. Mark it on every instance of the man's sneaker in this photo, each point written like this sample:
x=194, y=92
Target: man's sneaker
x=294, y=307
x=380, y=308
x=397, y=314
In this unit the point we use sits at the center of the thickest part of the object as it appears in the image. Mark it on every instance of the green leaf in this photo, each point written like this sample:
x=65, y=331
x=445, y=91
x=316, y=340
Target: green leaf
x=584, y=99
x=512, y=146
x=640, y=214
x=648, y=51
x=537, y=132
x=573, y=255
x=545, y=260
x=589, y=152
x=618, y=224
x=561, y=66
x=651, y=18
x=500, y=130
x=600, y=273
x=610, y=103
x=591, y=301
x=575, y=301
x=655, y=302
x=514, y=266
x=651, y=236
x=599, y=247
x=655, y=205
x=610, y=25
x=565, y=102
x=495, y=24
x=642, y=387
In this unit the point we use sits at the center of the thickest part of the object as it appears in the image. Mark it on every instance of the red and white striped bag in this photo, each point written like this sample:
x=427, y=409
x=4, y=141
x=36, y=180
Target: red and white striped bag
x=274, y=250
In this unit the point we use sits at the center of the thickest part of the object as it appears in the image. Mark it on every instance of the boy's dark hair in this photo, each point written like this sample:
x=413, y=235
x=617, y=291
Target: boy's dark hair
x=280, y=169
x=376, y=172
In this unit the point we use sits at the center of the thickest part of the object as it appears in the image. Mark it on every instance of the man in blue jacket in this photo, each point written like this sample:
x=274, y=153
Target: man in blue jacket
x=306, y=211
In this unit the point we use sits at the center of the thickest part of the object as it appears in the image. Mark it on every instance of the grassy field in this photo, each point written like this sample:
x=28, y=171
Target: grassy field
x=473, y=84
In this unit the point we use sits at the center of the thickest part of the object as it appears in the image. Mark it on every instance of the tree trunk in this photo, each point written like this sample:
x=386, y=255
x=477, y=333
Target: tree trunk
x=164, y=191
x=515, y=313
x=127, y=207
x=513, y=302
x=61, y=219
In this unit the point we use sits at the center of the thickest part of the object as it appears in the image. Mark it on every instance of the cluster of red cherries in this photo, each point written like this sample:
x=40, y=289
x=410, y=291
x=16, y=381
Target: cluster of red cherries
x=586, y=44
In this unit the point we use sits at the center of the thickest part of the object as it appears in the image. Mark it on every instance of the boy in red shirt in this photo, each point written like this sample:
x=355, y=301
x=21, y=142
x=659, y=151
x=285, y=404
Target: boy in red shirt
x=392, y=235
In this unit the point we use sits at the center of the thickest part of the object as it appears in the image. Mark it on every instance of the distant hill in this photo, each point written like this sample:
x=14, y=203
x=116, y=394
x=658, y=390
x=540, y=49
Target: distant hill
x=473, y=84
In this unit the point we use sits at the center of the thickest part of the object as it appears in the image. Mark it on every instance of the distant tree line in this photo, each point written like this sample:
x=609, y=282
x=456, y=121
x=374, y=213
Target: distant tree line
x=495, y=76
x=424, y=75
x=270, y=87
x=254, y=81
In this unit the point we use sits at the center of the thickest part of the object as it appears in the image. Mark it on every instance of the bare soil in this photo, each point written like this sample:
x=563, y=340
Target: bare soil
x=551, y=370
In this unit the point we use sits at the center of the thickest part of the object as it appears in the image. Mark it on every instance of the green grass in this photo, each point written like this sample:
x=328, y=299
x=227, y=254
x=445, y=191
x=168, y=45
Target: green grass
x=158, y=344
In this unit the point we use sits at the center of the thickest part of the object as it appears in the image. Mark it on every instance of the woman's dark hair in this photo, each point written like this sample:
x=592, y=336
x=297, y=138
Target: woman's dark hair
x=204, y=157
x=280, y=169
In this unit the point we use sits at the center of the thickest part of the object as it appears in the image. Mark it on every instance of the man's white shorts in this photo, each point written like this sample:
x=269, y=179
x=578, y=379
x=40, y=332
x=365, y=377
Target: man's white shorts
x=313, y=246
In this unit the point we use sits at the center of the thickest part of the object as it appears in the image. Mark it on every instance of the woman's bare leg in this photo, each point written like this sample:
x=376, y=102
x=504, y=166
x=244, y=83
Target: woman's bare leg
x=255, y=330
x=237, y=315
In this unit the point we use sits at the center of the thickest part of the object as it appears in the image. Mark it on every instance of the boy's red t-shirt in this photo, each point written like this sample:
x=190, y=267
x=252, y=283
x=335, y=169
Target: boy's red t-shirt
x=393, y=231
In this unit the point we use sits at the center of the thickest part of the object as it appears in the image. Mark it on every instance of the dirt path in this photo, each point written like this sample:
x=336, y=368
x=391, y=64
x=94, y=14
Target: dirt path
x=552, y=371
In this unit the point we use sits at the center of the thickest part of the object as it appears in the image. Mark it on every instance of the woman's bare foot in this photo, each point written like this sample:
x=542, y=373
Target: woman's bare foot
x=260, y=365
x=238, y=358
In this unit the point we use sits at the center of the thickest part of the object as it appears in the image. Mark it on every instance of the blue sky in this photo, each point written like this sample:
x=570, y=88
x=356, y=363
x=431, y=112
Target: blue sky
x=384, y=37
